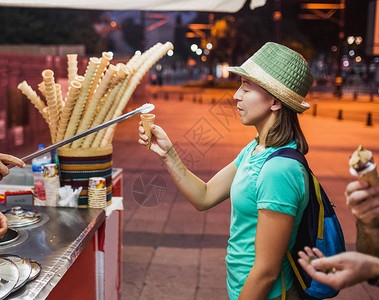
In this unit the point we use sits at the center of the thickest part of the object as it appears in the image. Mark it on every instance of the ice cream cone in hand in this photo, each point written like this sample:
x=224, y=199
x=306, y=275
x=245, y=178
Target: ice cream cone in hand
x=363, y=166
x=147, y=121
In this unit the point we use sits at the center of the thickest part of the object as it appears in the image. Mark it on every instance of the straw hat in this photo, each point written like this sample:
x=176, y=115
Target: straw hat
x=282, y=72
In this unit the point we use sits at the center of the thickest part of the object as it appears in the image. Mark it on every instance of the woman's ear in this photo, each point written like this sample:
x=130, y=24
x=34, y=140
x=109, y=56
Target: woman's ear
x=276, y=105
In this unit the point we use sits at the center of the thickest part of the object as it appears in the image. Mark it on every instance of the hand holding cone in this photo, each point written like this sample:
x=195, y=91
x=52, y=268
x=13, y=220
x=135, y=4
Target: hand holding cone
x=147, y=121
x=363, y=166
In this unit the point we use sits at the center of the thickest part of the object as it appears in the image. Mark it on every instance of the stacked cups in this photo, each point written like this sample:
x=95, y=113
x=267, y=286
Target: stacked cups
x=52, y=185
x=97, y=192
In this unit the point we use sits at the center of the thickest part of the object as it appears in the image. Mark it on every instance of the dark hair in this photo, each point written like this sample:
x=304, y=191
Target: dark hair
x=285, y=129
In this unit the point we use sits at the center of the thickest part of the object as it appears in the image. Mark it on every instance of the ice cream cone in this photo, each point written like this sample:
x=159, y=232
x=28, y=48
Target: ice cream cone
x=27, y=90
x=371, y=177
x=147, y=121
x=362, y=165
x=79, y=78
x=42, y=88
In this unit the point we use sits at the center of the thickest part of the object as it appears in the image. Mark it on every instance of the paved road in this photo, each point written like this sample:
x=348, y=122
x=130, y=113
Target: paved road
x=171, y=251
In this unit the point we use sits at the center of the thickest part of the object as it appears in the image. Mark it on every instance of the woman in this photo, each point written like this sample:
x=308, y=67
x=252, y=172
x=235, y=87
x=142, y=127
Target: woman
x=267, y=202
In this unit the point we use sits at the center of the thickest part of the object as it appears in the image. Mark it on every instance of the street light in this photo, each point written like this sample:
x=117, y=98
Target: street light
x=170, y=53
x=194, y=47
x=358, y=40
x=209, y=46
x=350, y=39
x=199, y=51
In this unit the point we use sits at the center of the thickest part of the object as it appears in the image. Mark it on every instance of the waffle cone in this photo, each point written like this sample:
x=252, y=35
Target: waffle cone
x=34, y=99
x=42, y=88
x=141, y=63
x=147, y=121
x=371, y=177
x=82, y=97
x=363, y=166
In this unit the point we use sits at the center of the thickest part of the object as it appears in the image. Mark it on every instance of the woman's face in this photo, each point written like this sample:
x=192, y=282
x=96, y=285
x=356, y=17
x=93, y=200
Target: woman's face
x=253, y=103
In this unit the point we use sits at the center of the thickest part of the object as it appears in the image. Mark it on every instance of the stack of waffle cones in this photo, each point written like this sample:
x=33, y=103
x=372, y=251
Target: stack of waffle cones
x=97, y=97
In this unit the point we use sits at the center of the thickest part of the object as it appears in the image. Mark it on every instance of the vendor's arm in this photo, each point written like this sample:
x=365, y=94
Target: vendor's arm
x=202, y=195
x=9, y=160
x=364, y=204
x=273, y=234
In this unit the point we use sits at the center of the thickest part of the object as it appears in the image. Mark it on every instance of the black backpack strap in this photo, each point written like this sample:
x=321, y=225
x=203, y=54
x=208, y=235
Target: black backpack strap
x=302, y=281
x=290, y=153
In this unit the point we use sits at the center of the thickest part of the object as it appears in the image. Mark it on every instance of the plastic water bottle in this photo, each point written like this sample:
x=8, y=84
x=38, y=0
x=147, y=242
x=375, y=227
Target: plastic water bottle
x=38, y=165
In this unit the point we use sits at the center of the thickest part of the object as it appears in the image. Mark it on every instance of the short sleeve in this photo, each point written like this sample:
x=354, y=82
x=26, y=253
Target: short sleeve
x=243, y=153
x=281, y=185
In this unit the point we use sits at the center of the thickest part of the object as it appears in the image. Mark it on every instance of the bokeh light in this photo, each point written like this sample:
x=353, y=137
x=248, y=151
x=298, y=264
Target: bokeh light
x=194, y=47
x=350, y=39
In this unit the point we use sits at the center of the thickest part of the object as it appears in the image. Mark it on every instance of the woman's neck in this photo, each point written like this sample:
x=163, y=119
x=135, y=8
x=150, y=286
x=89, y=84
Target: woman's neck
x=263, y=130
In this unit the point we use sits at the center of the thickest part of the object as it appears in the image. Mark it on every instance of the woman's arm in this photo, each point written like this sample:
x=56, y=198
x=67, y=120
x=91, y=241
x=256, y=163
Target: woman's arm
x=273, y=234
x=202, y=195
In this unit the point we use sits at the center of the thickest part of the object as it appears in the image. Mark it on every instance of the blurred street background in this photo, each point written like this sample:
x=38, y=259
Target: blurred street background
x=337, y=37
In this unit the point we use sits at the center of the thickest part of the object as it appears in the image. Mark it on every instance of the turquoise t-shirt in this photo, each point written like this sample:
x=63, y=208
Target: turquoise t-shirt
x=282, y=186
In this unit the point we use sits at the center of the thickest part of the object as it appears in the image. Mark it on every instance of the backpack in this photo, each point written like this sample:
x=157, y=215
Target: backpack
x=319, y=227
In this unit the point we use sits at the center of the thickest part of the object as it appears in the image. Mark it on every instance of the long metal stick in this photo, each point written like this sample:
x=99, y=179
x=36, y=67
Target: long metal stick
x=143, y=109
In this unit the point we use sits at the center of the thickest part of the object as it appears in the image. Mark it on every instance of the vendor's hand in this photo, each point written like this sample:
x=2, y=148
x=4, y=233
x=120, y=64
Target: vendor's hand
x=160, y=143
x=348, y=268
x=6, y=159
x=363, y=201
x=3, y=225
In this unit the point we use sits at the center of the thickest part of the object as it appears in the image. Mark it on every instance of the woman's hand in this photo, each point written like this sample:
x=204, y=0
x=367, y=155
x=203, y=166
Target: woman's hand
x=160, y=143
x=3, y=225
x=6, y=159
x=363, y=201
x=341, y=270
